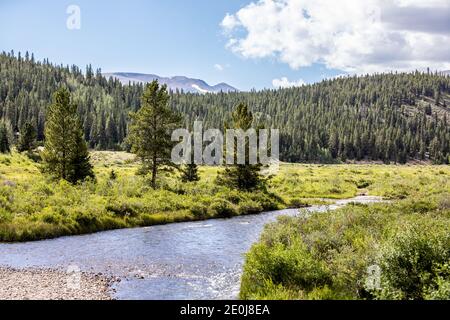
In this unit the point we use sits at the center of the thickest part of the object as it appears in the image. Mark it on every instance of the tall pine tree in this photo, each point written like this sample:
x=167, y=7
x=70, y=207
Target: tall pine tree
x=151, y=130
x=4, y=140
x=242, y=176
x=65, y=153
x=27, y=138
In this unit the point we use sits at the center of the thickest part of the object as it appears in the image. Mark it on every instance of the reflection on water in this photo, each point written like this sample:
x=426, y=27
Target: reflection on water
x=190, y=260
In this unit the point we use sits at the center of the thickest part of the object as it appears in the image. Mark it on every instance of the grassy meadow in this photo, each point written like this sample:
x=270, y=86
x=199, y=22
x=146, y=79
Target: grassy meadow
x=330, y=255
x=33, y=206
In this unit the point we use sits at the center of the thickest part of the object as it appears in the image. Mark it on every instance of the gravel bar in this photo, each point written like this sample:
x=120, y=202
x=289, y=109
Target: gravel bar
x=48, y=284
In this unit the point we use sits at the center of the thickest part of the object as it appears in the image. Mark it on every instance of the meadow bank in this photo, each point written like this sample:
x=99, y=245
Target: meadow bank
x=33, y=206
x=398, y=250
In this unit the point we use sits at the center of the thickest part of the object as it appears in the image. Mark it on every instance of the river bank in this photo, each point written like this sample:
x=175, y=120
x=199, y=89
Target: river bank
x=189, y=260
x=48, y=284
x=35, y=207
x=394, y=250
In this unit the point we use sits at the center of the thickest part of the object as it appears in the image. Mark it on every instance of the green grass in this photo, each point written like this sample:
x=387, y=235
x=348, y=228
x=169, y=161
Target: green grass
x=33, y=206
x=327, y=255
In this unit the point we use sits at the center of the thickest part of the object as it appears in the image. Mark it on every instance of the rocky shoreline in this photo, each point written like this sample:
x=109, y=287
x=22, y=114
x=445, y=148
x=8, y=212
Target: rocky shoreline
x=48, y=284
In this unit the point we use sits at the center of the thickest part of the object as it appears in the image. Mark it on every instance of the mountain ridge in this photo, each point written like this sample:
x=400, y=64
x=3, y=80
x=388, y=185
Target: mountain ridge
x=186, y=84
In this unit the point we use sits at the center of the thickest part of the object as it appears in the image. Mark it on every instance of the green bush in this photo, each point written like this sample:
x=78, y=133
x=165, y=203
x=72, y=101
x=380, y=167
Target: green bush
x=249, y=207
x=268, y=201
x=5, y=215
x=125, y=208
x=363, y=183
x=87, y=222
x=408, y=239
x=292, y=266
x=152, y=219
x=440, y=290
x=199, y=210
x=297, y=203
x=413, y=261
x=422, y=206
x=222, y=208
x=398, y=191
x=233, y=196
x=49, y=215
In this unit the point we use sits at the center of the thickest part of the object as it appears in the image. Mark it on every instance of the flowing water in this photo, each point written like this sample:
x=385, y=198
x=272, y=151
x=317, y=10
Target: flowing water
x=189, y=260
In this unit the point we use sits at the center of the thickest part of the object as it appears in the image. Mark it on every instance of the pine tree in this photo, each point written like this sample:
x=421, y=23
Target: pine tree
x=242, y=176
x=4, y=140
x=111, y=132
x=102, y=138
x=65, y=153
x=435, y=151
x=190, y=173
x=437, y=96
x=79, y=166
x=87, y=124
x=151, y=129
x=333, y=144
x=27, y=138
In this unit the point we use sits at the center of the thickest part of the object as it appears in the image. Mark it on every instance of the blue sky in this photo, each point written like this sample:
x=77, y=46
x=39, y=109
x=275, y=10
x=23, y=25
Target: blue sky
x=255, y=42
x=168, y=38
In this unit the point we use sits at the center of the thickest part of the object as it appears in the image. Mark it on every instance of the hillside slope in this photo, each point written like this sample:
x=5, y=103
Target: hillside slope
x=388, y=117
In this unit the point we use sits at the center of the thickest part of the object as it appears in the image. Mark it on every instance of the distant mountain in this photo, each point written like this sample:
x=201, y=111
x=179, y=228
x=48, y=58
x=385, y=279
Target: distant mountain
x=179, y=82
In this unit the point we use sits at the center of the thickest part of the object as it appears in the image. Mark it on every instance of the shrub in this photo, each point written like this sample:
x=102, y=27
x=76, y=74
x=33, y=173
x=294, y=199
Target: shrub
x=5, y=215
x=232, y=196
x=199, y=210
x=414, y=260
x=269, y=290
x=87, y=222
x=49, y=215
x=44, y=189
x=297, y=203
x=34, y=156
x=249, y=207
x=5, y=203
x=128, y=208
x=422, y=206
x=398, y=191
x=152, y=219
x=292, y=265
x=222, y=208
x=362, y=183
x=268, y=201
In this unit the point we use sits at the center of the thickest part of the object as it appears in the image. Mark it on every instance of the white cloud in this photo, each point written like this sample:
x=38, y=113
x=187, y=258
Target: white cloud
x=219, y=67
x=229, y=22
x=350, y=35
x=285, y=83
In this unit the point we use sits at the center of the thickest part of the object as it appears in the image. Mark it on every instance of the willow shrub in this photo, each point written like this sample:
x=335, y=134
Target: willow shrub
x=328, y=255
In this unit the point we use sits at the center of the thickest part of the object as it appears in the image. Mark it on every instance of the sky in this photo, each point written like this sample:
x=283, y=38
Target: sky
x=247, y=44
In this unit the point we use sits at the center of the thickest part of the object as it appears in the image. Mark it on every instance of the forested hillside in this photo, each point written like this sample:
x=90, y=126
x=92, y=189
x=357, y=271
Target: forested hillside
x=27, y=86
x=389, y=117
